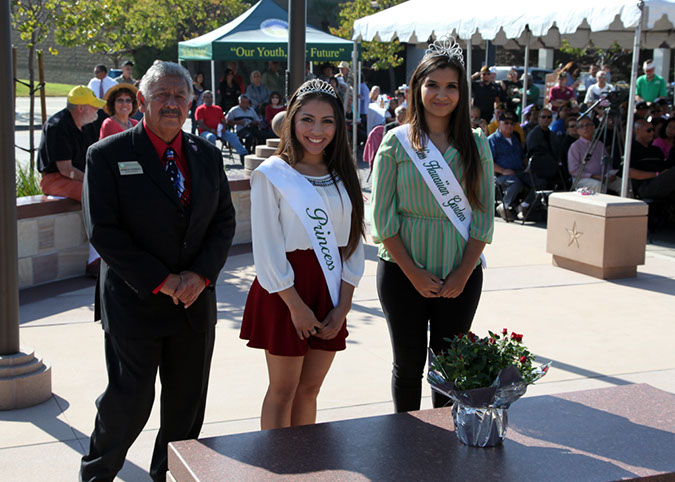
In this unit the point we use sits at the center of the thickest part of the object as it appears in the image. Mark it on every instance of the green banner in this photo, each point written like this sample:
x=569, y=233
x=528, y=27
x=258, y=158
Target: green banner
x=262, y=51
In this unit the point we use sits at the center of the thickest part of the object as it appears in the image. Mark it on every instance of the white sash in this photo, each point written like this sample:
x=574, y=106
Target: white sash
x=441, y=181
x=308, y=205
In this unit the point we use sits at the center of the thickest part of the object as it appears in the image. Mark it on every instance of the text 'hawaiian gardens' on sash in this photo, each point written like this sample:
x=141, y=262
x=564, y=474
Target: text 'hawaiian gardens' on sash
x=308, y=205
x=442, y=182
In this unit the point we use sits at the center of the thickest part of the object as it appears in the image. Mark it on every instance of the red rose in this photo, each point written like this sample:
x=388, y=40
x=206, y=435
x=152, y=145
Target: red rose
x=523, y=359
x=514, y=335
x=519, y=338
x=472, y=337
x=492, y=341
x=505, y=331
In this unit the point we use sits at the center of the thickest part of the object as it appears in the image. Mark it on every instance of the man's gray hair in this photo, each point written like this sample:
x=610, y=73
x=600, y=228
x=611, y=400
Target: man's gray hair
x=254, y=72
x=206, y=92
x=400, y=109
x=242, y=97
x=161, y=70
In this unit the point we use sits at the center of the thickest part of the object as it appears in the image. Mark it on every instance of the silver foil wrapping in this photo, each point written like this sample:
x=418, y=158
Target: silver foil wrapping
x=479, y=427
x=480, y=415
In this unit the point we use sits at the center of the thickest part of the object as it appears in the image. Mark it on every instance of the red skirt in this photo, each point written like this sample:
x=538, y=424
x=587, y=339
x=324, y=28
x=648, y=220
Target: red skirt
x=267, y=321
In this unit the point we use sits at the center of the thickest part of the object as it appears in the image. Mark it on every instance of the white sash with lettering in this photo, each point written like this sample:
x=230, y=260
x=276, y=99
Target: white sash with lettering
x=308, y=205
x=441, y=181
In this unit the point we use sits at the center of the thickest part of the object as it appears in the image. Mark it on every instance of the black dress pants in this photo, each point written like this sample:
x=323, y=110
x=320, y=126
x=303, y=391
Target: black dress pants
x=184, y=362
x=409, y=317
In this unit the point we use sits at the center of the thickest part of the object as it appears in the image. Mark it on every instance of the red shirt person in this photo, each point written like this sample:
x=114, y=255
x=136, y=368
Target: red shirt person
x=210, y=118
x=559, y=94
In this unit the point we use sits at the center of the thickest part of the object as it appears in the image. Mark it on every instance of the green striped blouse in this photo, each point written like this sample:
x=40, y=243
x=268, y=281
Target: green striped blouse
x=402, y=203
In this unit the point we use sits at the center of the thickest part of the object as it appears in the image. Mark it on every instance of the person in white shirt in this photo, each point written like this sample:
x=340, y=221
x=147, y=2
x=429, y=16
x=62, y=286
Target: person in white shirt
x=598, y=89
x=289, y=310
x=101, y=82
x=247, y=123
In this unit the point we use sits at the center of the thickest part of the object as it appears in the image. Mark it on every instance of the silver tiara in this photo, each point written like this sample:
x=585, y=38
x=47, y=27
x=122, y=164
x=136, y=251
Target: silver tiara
x=316, y=86
x=445, y=46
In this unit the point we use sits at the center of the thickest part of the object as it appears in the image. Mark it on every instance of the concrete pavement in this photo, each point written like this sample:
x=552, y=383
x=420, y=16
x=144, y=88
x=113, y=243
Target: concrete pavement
x=598, y=333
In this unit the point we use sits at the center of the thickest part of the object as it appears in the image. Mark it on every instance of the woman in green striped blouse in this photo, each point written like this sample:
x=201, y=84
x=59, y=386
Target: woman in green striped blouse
x=429, y=277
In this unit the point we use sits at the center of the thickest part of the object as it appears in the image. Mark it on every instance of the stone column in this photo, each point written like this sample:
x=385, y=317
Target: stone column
x=662, y=63
x=545, y=59
x=24, y=379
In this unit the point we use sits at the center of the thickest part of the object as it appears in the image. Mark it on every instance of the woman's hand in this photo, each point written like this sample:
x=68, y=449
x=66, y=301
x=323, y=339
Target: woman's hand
x=332, y=324
x=427, y=284
x=305, y=322
x=453, y=285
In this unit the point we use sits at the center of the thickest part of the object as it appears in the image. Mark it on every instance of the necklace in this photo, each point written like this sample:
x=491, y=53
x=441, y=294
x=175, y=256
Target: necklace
x=126, y=125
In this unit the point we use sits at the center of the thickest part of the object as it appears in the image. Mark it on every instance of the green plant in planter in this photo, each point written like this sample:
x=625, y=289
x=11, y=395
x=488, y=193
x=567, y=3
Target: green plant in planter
x=27, y=183
x=473, y=362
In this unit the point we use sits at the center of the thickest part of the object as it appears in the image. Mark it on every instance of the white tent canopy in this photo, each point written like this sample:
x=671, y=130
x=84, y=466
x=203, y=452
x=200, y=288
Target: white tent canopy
x=532, y=24
x=600, y=22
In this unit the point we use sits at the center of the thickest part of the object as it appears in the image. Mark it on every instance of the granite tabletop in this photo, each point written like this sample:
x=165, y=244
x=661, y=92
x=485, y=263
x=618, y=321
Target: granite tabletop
x=621, y=432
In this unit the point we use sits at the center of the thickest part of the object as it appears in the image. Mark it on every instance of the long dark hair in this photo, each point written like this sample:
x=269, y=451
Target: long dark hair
x=337, y=155
x=459, y=123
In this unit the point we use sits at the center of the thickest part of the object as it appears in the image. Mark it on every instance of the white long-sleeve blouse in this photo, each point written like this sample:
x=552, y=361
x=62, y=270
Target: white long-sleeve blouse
x=276, y=230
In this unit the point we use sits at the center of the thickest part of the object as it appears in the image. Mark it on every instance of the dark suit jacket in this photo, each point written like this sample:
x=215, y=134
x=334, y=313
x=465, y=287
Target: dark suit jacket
x=143, y=233
x=536, y=143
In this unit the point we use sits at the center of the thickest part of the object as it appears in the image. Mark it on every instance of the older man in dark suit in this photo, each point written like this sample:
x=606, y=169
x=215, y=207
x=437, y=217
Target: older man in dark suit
x=158, y=209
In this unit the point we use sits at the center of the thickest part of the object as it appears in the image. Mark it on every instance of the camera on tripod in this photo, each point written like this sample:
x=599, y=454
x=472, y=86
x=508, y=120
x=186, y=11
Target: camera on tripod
x=615, y=98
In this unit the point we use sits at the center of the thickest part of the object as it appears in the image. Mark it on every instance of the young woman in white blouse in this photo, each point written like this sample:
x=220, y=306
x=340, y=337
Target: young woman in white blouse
x=307, y=226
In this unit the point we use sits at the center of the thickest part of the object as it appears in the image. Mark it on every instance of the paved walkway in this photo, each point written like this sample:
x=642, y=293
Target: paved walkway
x=597, y=333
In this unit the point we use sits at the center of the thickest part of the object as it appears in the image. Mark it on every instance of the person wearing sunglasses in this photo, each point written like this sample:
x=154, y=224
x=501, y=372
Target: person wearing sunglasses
x=652, y=176
x=485, y=92
x=591, y=169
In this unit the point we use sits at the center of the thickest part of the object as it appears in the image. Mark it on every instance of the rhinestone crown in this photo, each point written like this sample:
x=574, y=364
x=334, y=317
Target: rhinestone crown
x=316, y=86
x=445, y=46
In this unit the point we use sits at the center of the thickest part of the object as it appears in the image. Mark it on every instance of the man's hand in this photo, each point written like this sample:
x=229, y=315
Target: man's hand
x=170, y=286
x=190, y=287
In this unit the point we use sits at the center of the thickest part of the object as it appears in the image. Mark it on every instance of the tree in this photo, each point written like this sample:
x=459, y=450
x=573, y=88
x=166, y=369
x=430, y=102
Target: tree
x=382, y=55
x=116, y=28
x=33, y=19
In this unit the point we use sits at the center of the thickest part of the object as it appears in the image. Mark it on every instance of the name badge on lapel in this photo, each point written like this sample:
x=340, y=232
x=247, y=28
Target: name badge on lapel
x=129, y=168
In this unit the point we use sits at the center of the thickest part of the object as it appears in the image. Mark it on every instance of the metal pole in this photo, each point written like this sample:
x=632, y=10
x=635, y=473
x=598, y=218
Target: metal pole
x=43, y=93
x=469, y=71
x=213, y=77
x=9, y=265
x=525, y=71
x=356, y=74
x=15, y=73
x=297, y=23
x=625, y=179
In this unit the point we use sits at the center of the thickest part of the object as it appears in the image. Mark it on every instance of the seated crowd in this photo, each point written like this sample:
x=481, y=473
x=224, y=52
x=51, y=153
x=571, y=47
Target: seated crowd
x=555, y=146
x=567, y=143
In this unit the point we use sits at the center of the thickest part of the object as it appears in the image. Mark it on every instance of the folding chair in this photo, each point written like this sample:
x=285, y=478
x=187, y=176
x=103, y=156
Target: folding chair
x=545, y=178
x=499, y=198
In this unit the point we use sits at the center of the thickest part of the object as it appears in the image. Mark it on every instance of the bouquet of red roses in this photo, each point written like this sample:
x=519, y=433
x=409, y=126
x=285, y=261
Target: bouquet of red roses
x=484, y=376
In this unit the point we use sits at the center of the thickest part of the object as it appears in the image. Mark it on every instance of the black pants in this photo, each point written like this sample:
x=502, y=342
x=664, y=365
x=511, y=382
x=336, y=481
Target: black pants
x=251, y=136
x=409, y=316
x=184, y=362
x=659, y=187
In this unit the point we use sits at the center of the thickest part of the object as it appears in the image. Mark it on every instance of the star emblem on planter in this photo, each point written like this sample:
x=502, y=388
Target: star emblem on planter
x=574, y=235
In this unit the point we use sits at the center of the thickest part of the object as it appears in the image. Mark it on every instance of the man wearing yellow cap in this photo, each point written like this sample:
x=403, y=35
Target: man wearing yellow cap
x=64, y=144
